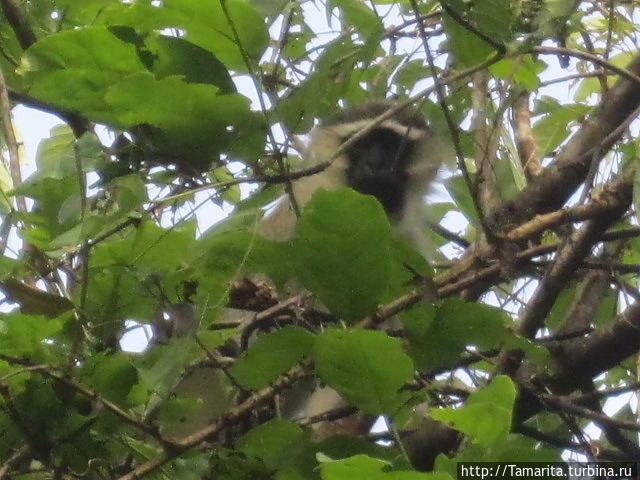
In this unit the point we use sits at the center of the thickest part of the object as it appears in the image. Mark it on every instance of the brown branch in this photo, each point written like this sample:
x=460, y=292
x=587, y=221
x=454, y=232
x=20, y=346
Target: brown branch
x=602, y=79
x=550, y=190
x=14, y=458
x=90, y=394
x=211, y=431
x=570, y=254
x=12, y=142
x=564, y=443
x=575, y=76
x=525, y=141
x=612, y=432
x=19, y=23
x=592, y=290
x=616, y=267
x=630, y=74
x=565, y=404
x=601, y=204
x=608, y=392
x=602, y=350
x=78, y=124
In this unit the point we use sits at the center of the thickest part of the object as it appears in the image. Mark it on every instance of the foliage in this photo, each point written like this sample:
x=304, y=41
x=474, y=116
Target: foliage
x=170, y=109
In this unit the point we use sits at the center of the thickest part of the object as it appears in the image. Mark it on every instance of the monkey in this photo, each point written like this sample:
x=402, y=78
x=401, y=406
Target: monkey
x=395, y=162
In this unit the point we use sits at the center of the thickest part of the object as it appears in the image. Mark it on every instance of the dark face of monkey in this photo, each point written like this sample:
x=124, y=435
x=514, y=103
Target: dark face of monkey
x=390, y=160
x=395, y=162
x=378, y=166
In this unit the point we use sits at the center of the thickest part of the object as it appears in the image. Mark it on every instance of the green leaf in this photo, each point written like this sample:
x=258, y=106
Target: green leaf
x=556, y=315
x=410, y=73
x=486, y=416
x=276, y=442
x=360, y=16
x=467, y=48
x=551, y=130
x=77, y=13
x=55, y=157
x=269, y=8
x=128, y=193
x=29, y=336
x=362, y=467
x=50, y=196
x=204, y=23
x=589, y=86
x=150, y=248
x=296, y=46
x=342, y=251
x=406, y=264
x=522, y=70
x=332, y=77
x=55, y=186
x=494, y=18
x=89, y=48
x=438, y=335
x=226, y=253
x=368, y=368
x=112, y=376
x=177, y=56
x=192, y=117
x=607, y=309
x=271, y=356
x=85, y=61
x=458, y=189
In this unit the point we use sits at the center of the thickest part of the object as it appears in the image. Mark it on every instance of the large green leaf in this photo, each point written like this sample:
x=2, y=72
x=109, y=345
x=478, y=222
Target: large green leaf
x=358, y=14
x=486, y=416
x=551, y=130
x=494, y=18
x=368, y=368
x=271, y=356
x=362, y=467
x=342, y=251
x=204, y=23
x=29, y=336
x=193, y=120
x=438, y=335
x=468, y=49
x=177, y=56
x=74, y=68
x=276, y=442
x=113, y=376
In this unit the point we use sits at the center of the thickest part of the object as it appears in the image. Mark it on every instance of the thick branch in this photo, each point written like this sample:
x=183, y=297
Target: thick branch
x=571, y=254
x=551, y=189
x=20, y=25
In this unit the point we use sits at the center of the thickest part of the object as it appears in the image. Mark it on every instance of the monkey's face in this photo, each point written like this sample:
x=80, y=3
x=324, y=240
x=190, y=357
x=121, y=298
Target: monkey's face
x=378, y=165
x=395, y=162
